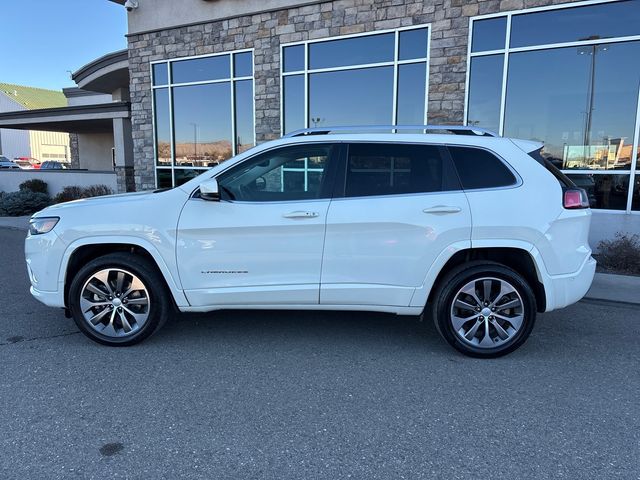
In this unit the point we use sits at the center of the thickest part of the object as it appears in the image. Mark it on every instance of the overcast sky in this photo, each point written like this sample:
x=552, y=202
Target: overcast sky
x=42, y=39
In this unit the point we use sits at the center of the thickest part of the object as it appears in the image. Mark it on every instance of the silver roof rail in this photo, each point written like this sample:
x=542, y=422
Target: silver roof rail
x=455, y=129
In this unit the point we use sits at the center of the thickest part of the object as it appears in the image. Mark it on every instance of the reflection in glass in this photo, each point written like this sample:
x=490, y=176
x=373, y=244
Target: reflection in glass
x=201, y=69
x=606, y=20
x=485, y=90
x=413, y=44
x=293, y=108
x=351, y=97
x=164, y=178
x=163, y=127
x=184, y=175
x=352, y=51
x=293, y=58
x=412, y=82
x=160, y=75
x=489, y=34
x=580, y=101
x=202, y=126
x=635, y=201
x=243, y=64
x=606, y=190
x=244, y=115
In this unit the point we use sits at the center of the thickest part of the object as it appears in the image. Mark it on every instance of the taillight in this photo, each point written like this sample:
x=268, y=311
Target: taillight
x=575, y=198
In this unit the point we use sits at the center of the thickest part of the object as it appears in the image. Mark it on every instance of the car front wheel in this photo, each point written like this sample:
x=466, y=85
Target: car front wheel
x=119, y=299
x=484, y=309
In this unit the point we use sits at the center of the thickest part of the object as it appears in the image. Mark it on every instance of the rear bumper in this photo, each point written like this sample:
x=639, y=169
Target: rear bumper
x=564, y=290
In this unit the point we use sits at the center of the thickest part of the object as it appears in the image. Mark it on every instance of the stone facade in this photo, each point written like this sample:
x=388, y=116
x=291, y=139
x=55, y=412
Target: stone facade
x=74, y=150
x=125, y=179
x=265, y=32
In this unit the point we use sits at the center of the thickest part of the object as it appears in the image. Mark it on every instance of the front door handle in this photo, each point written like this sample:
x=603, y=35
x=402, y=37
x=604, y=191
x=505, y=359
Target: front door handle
x=300, y=214
x=442, y=210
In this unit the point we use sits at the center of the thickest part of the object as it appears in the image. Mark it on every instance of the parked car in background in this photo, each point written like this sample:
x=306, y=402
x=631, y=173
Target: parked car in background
x=52, y=165
x=6, y=164
x=471, y=230
x=27, y=163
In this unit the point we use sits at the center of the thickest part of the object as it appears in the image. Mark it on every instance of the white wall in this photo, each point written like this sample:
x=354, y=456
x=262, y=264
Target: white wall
x=94, y=150
x=604, y=226
x=56, y=179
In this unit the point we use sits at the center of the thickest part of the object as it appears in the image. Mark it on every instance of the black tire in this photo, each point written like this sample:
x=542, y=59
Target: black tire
x=445, y=295
x=159, y=308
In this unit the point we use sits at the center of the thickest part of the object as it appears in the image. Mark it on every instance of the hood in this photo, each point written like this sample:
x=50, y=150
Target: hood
x=110, y=200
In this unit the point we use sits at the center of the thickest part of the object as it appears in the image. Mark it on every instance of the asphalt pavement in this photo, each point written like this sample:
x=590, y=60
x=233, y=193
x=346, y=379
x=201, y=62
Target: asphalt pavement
x=313, y=395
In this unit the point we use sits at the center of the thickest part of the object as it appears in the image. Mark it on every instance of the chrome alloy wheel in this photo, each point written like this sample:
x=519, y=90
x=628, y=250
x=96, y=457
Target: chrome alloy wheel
x=487, y=312
x=115, y=302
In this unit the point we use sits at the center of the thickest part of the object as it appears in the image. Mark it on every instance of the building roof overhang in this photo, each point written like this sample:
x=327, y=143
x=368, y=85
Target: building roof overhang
x=74, y=119
x=105, y=74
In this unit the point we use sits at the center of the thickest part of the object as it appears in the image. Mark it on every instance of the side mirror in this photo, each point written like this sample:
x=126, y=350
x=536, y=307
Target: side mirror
x=209, y=190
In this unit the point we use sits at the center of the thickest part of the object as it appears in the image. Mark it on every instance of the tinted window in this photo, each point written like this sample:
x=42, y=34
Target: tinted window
x=489, y=34
x=160, y=75
x=413, y=44
x=479, y=168
x=293, y=58
x=290, y=173
x=352, y=51
x=377, y=169
x=412, y=81
x=201, y=69
x=243, y=64
x=606, y=20
x=293, y=97
x=485, y=91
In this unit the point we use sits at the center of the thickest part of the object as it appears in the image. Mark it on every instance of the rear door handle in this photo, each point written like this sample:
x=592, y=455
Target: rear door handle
x=300, y=214
x=442, y=210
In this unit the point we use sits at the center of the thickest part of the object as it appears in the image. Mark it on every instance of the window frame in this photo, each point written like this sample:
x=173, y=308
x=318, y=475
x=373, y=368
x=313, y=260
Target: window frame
x=170, y=85
x=395, y=63
x=328, y=183
x=340, y=182
x=507, y=50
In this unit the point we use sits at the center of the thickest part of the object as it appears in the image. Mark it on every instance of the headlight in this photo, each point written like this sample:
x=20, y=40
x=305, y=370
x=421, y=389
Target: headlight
x=38, y=226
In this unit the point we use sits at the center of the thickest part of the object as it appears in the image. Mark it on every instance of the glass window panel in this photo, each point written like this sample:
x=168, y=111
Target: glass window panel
x=243, y=64
x=160, y=74
x=293, y=58
x=244, y=115
x=376, y=169
x=353, y=97
x=280, y=175
x=163, y=127
x=352, y=51
x=412, y=83
x=478, y=168
x=489, y=34
x=201, y=69
x=580, y=101
x=604, y=190
x=606, y=20
x=164, y=178
x=413, y=44
x=635, y=201
x=293, y=103
x=183, y=175
x=202, y=124
x=485, y=90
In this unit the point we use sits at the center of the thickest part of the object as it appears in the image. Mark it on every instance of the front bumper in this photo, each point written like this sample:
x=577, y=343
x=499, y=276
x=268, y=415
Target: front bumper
x=43, y=254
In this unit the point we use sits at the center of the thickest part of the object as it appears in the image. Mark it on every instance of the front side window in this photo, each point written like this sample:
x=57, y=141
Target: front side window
x=379, y=169
x=203, y=113
x=373, y=79
x=284, y=174
x=568, y=77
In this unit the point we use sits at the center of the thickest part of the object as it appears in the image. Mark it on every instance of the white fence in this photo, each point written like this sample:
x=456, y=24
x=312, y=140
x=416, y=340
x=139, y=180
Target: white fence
x=56, y=179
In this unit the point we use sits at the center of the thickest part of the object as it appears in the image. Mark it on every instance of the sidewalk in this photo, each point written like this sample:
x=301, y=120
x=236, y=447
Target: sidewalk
x=16, y=223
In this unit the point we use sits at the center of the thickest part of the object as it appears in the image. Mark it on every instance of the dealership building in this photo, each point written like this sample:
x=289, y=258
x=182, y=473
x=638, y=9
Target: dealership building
x=203, y=80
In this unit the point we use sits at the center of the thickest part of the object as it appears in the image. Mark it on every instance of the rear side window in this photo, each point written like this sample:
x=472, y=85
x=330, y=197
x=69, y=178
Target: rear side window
x=561, y=177
x=392, y=169
x=479, y=168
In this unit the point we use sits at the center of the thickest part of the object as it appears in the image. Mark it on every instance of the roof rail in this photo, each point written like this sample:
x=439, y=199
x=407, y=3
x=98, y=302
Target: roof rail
x=455, y=129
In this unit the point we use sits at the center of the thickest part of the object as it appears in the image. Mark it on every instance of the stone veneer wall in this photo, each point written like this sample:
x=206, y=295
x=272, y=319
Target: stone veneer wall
x=74, y=150
x=265, y=33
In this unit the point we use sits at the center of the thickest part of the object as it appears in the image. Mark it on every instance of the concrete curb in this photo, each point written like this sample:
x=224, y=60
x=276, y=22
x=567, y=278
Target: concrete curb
x=15, y=223
x=615, y=288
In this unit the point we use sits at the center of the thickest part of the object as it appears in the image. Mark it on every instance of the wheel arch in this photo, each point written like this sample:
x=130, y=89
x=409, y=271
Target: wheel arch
x=85, y=250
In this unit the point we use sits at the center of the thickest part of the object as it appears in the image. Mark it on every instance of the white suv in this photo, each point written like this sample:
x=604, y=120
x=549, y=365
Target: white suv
x=475, y=231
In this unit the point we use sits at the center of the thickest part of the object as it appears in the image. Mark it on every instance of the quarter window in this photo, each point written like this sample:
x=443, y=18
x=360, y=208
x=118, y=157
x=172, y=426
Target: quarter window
x=375, y=169
x=479, y=168
x=285, y=174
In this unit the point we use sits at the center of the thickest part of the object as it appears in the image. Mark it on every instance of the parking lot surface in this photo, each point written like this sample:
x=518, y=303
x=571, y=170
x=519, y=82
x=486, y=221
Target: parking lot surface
x=304, y=395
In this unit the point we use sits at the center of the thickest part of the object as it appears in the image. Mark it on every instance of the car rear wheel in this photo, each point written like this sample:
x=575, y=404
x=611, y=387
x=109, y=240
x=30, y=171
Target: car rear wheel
x=484, y=309
x=119, y=299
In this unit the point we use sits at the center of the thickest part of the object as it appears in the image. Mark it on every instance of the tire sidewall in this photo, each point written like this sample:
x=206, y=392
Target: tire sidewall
x=157, y=307
x=450, y=288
